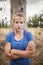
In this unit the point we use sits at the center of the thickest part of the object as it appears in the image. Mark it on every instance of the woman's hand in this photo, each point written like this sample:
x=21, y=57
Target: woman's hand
x=31, y=45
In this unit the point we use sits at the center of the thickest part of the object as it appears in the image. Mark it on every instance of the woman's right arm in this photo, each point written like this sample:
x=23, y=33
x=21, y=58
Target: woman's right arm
x=7, y=51
x=29, y=52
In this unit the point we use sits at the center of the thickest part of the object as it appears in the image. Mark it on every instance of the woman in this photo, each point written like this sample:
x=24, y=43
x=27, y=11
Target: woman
x=19, y=47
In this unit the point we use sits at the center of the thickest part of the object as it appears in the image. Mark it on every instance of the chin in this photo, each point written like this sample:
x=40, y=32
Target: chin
x=19, y=30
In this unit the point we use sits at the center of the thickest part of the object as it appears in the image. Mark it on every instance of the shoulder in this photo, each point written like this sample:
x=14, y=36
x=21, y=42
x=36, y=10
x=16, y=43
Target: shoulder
x=29, y=35
x=27, y=32
x=10, y=34
x=9, y=37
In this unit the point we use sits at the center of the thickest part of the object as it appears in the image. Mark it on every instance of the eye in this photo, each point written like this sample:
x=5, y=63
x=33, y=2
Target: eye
x=16, y=22
x=21, y=22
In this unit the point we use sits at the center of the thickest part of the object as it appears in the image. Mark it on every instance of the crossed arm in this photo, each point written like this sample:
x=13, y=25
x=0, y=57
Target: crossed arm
x=15, y=54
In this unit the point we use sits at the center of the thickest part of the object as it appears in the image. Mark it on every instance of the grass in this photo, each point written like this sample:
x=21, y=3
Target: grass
x=37, y=32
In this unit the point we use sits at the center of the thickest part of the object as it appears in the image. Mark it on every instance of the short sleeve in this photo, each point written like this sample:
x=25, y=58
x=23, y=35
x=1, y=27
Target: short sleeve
x=7, y=38
x=30, y=36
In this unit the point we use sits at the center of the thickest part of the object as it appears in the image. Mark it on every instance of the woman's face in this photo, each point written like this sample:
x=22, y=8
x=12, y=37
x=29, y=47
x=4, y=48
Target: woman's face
x=18, y=23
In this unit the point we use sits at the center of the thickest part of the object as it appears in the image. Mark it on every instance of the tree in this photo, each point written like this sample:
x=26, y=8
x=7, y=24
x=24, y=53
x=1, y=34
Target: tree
x=36, y=21
x=2, y=22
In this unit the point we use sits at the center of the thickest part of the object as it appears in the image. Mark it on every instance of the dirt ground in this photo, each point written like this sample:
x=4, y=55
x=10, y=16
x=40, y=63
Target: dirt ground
x=38, y=38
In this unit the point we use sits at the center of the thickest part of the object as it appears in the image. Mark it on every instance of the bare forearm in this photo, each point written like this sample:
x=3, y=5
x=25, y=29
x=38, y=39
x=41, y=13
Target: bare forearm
x=22, y=53
x=8, y=54
x=14, y=57
x=11, y=56
x=25, y=54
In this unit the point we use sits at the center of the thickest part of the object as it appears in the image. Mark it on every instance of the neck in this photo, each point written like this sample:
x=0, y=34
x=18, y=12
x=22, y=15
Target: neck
x=19, y=32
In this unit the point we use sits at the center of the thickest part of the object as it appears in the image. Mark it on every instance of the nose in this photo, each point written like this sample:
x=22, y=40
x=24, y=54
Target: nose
x=19, y=24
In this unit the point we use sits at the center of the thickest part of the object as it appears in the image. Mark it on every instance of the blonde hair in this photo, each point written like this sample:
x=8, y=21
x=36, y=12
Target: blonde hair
x=18, y=14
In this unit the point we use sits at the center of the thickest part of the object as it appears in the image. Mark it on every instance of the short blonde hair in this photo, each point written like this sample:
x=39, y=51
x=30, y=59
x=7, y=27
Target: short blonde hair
x=18, y=14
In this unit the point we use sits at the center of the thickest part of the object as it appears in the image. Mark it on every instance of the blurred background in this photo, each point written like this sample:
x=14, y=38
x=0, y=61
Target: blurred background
x=33, y=13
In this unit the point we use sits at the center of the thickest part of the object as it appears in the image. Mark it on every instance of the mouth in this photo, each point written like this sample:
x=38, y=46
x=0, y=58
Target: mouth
x=18, y=28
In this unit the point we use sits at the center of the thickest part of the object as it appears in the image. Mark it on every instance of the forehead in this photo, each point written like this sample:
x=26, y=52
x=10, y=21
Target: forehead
x=19, y=18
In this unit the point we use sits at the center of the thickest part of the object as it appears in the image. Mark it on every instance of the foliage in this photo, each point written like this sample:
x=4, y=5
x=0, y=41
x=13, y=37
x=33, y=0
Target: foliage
x=3, y=25
x=36, y=21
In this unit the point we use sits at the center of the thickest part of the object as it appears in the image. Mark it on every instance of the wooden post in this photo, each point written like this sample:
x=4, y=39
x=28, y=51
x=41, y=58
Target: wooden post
x=18, y=6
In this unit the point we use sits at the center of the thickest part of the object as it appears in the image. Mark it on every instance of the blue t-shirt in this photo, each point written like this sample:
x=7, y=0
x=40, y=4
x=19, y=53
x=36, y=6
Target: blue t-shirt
x=21, y=45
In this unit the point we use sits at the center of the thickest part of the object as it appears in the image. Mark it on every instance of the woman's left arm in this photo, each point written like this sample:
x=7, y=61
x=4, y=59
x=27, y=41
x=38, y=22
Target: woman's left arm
x=31, y=47
x=28, y=52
